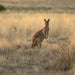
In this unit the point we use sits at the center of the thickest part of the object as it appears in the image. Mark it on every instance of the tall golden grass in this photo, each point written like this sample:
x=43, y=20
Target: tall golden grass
x=28, y=24
x=16, y=32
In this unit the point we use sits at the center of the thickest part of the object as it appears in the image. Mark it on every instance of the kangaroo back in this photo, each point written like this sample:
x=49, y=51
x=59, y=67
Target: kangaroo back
x=41, y=35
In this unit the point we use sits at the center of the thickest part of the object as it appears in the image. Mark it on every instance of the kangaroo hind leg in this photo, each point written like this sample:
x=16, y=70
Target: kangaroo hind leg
x=33, y=44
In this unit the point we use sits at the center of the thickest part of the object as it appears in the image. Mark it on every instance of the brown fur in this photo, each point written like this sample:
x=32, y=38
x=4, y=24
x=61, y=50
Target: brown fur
x=41, y=35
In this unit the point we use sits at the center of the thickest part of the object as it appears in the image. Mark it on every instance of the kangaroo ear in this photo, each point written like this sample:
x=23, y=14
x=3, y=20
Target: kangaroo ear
x=48, y=20
x=45, y=20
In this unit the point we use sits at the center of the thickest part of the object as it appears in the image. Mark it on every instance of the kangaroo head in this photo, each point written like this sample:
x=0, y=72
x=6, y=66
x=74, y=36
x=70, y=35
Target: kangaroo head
x=46, y=22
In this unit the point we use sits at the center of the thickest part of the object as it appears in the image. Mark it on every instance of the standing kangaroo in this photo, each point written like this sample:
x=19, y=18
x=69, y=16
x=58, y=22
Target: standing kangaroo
x=41, y=35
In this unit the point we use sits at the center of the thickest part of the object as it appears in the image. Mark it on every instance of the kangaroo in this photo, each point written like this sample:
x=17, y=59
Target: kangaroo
x=41, y=35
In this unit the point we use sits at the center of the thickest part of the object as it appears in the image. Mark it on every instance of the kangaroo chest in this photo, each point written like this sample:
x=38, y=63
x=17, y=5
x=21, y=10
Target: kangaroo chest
x=46, y=31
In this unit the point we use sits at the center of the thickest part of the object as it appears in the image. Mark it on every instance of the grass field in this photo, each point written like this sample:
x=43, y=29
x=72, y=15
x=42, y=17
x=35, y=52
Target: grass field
x=57, y=55
x=40, y=6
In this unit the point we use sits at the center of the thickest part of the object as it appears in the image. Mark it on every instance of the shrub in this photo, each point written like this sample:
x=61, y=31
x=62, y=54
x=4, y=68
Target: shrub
x=2, y=8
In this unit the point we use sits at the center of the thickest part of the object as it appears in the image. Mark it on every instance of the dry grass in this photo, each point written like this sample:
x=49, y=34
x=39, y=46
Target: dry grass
x=57, y=52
